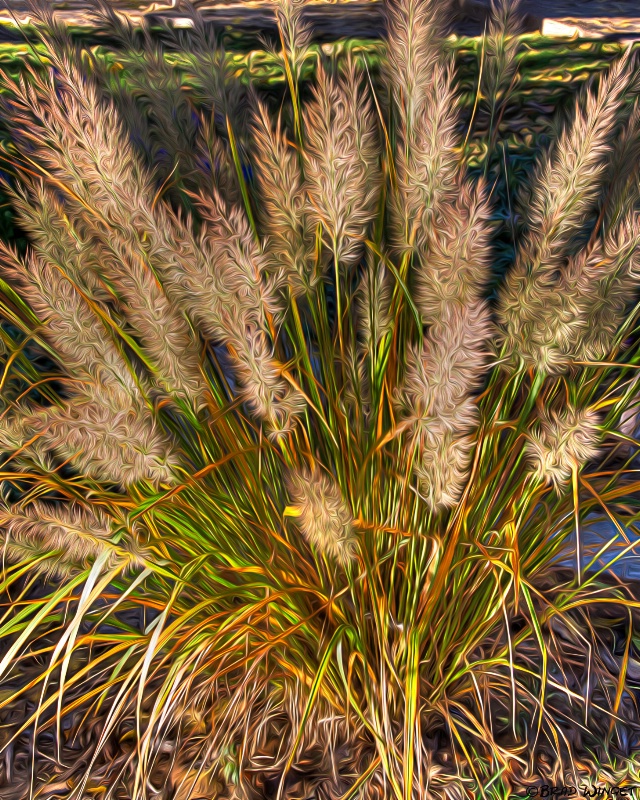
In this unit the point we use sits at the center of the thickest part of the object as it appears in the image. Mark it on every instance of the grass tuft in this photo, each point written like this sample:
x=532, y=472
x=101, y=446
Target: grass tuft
x=290, y=470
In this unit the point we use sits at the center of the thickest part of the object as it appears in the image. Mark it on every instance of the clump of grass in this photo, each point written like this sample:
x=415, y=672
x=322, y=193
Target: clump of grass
x=291, y=485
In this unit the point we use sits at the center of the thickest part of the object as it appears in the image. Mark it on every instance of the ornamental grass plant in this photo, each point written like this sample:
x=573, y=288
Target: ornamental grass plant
x=288, y=489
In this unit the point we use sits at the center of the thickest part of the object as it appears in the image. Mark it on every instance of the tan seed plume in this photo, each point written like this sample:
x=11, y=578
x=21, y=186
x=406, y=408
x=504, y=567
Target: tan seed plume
x=285, y=220
x=532, y=308
x=217, y=280
x=435, y=399
x=107, y=443
x=340, y=162
x=64, y=539
x=564, y=440
x=82, y=143
x=324, y=518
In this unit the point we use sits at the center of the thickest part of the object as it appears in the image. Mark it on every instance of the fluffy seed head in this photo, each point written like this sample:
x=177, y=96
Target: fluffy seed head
x=340, y=162
x=453, y=261
x=61, y=121
x=568, y=179
x=437, y=403
x=440, y=377
x=427, y=164
x=553, y=322
x=604, y=283
x=159, y=270
x=374, y=304
x=225, y=292
x=106, y=440
x=534, y=314
x=564, y=440
x=285, y=219
x=324, y=518
x=442, y=469
x=266, y=392
x=623, y=186
x=69, y=537
x=414, y=28
x=83, y=344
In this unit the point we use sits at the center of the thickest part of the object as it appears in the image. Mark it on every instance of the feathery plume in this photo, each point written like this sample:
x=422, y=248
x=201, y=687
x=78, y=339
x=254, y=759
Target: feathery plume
x=296, y=34
x=22, y=444
x=443, y=220
x=442, y=468
x=435, y=399
x=323, y=516
x=567, y=184
x=602, y=284
x=454, y=264
x=500, y=73
x=240, y=264
x=340, y=162
x=373, y=301
x=56, y=238
x=220, y=282
x=356, y=395
x=265, y=390
x=82, y=143
x=84, y=346
x=564, y=440
x=450, y=365
x=105, y=429
x=623, y=189
x=218, y=279
x=568, y=179
x=374, y=322
x=283, y=211
x=427, y=163
x=592, y=292
x=69, y=537
x=121, y=446
x=422, y=88
x=229, y=299
x=414, y=30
